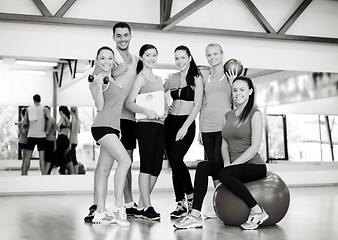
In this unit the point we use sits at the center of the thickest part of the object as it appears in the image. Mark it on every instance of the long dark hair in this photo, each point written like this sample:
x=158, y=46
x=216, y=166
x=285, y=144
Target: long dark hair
x=193, y=70
x=143, y=49
x=65, y=110
x=248, y=107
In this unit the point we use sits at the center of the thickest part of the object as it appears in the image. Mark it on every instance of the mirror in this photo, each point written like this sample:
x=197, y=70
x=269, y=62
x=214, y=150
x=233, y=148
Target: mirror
x=277, y=92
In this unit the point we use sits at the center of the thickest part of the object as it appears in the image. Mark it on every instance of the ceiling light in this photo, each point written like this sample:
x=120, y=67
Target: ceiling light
x=36, y=63
x=28, y=72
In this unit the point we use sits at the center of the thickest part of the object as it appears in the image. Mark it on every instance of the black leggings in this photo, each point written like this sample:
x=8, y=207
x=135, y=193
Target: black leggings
x=176, y=151
x=150, y=137
x=212, y=143
x=72, y=153
x=232, y=177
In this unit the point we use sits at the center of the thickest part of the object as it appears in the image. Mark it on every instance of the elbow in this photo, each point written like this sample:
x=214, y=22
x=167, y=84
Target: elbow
x=99, y=108
x=255, y=149
x=128, y=105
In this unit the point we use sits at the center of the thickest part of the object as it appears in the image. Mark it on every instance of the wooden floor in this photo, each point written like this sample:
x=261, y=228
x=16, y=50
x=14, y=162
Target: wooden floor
x=313, y=214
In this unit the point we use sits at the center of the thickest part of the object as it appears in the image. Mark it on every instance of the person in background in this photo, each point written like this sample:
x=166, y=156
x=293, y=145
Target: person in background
x=186, y=90
x=109, y=99
x=241, y=140
x=62, y=142
x=75, y=126
x=23, y=137
x=51, y=128
x=35, y=119
x=149, y=130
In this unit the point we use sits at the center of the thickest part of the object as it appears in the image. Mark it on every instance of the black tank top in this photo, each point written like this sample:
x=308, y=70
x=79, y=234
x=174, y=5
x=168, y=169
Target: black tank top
x=186, y=93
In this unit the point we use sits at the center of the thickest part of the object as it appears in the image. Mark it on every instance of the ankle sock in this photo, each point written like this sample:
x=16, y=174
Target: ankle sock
x=129, y=205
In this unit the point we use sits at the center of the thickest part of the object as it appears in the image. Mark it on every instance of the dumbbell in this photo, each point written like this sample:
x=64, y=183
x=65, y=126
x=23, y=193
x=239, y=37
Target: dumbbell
x=105, y=79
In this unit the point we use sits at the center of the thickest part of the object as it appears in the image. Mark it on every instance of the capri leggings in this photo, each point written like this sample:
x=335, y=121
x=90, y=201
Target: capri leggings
x=232, y=177
x=176, y=151
x=150, y=137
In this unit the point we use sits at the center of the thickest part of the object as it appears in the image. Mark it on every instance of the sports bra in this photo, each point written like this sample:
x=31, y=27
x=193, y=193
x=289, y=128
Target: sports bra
x=186, y=93
x=62, y=126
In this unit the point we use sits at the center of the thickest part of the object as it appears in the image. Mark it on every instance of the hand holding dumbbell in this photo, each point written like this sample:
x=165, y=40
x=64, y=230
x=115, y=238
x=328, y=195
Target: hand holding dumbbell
x=105, y=79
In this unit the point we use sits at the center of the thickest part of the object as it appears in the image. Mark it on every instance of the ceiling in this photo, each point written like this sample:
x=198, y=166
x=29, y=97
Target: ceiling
x=171, y=15
x=308, y=21
x=174, y=16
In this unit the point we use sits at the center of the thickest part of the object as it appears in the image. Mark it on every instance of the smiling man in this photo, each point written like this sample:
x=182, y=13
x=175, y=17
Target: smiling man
x=124, y=74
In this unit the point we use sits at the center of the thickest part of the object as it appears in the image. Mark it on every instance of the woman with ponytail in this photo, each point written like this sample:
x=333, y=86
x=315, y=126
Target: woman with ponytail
x=149, y=129
x=241, y=140
x=186, y=90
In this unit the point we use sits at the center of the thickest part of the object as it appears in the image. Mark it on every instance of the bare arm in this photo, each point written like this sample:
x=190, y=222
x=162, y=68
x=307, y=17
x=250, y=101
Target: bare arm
x=196, y=108
x=95, y=88
x=201, y=115
x=256, y=139
x=225, y=153
x=131, y=99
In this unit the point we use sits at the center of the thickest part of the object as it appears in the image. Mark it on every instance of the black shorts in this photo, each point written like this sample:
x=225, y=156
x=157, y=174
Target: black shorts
x=49, y=152
x=40, y=142
x=22, y=146
x=128, y=137
x=100, y=132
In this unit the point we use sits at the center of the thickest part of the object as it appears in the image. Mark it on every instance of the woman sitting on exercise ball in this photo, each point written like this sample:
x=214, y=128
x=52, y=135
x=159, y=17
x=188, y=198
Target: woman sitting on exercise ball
x=241, y=140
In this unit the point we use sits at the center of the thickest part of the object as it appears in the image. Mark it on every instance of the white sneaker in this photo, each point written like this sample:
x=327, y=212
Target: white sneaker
x=103, y=218
x=189, y=221
x=121, y=217
x=254, y=220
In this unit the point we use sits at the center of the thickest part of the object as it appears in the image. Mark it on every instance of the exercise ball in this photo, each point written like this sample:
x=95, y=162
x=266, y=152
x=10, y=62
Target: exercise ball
x=82, y=168
x=270, y=192
x=234, y=65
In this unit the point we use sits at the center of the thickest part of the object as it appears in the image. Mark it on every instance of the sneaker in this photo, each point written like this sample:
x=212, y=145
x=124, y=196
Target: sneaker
x=90, y=215
x=103, y=218
x=139, y=213
x=151, y=214
x=180, y=211
x=189, y=221
x=131, y=211
x=121, y=217
x=254, y=220
x=189, y=203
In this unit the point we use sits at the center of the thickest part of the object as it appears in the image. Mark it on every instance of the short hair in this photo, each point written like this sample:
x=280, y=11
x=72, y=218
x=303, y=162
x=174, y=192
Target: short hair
x=37, y=98
x=121, y=25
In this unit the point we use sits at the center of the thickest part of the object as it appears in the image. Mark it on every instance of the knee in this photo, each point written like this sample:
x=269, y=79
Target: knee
x=202, y=165
x=223, y=174
x=102, y=172
x=125, y=163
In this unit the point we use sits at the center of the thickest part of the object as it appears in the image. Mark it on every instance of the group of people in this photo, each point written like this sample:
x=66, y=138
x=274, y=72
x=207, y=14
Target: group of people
x=38, y=128
x=230, y=130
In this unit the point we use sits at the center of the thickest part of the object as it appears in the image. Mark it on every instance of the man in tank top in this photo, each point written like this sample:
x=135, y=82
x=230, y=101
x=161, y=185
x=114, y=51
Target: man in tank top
x=35, y=115
x=124, y=74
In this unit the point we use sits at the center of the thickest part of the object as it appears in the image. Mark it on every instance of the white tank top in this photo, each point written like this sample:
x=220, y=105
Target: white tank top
x=37, y=125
